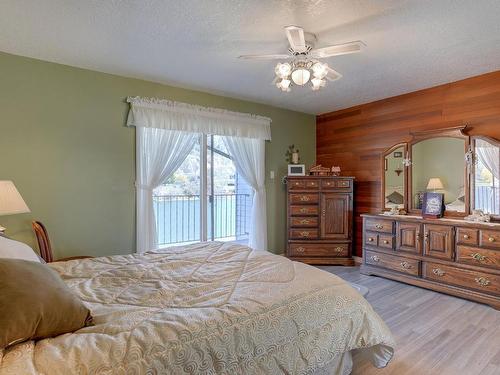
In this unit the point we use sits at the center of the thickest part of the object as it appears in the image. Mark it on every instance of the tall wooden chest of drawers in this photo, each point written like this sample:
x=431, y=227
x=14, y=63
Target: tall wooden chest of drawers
x=450, y=256
x=319, y=219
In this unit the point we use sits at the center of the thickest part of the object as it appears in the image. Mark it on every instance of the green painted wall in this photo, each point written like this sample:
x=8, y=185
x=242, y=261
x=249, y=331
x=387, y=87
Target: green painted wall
x=64, y=144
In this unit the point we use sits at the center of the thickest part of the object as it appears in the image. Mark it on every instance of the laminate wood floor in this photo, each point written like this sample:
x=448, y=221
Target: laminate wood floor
x=435, y=333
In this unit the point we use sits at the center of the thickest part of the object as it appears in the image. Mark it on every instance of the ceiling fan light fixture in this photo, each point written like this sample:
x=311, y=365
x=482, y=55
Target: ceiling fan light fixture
x=283, y=70
x=320, y=70
x=300, y=76
x=317, y=83
x=284, y=85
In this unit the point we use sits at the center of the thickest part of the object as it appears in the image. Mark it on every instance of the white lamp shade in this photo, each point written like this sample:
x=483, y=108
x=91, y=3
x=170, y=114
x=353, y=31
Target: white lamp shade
x=435, y=184
x=11, y=201
x=301, y=76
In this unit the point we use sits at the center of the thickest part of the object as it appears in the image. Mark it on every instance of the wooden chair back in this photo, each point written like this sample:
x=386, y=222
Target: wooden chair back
x=43, y=241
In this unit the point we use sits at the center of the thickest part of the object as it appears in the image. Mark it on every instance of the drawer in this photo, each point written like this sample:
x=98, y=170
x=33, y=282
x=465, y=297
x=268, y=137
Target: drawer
x=371, y=239
x=303, y=222
x=303, y=234
x=478, y=257
x=386, y=241
x=490, y=238
x=343, y=184
x=312, y=184
x=327, y=184
x=304, y=198
x=393, y=262
x=303, y=210
x=480, y=281
x=326, y=250
x=375, y=225
x=297, y=184
x=336, y=184
x=466, y=236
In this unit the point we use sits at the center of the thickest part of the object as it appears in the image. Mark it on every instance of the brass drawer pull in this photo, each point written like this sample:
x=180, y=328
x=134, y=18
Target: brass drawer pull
x=303, y=210
x=426, y=235
x=406, y=265
x=438, y=272
x=375, y=258
x=370, y=239
x=328, y=183
x=478, y=257
x=297, y=183
x=304, y=234
x=491, y=239
x=304, y=198
x=379, y=226
x=466, y=236
x=483, y=281
x=339, y=249
x=323, y=212
x=305, y=221
x=386, y=242
x=300, y=249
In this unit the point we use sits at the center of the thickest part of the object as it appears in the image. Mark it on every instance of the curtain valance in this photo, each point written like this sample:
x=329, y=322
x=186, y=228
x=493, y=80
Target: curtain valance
x=171, y=115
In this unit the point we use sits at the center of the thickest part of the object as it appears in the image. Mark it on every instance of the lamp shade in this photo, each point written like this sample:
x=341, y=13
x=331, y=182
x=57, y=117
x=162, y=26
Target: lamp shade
x=11, y=201
x=435, y=184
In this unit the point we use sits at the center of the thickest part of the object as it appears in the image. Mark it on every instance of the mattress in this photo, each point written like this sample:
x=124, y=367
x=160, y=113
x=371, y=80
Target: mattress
x=209, y=308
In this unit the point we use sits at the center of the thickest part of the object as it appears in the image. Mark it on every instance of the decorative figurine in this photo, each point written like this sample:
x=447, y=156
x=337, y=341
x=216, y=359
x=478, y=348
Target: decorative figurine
x=319, y=170
x=335, y=171
x=478, y=216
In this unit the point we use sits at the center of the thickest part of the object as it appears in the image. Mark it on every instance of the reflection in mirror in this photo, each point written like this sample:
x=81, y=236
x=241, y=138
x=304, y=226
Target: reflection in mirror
x=394, y=179
x=487, y=177
x=439, y=166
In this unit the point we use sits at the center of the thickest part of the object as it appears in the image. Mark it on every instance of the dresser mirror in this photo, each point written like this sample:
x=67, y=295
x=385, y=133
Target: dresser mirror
x=394, y=178
x=485, y=179
x=438, y=165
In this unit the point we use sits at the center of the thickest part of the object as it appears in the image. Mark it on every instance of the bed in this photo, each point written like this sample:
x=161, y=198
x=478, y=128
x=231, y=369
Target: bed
x=209, y=308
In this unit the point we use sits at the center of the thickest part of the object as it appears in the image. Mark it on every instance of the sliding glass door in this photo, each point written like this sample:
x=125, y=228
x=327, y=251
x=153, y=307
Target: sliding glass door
x=222, y=212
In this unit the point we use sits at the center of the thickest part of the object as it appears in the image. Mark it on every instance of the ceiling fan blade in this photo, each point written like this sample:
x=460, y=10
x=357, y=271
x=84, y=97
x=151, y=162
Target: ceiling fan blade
x=265, y=57
x=296, y=38
x=338, y=49
x=333, y=75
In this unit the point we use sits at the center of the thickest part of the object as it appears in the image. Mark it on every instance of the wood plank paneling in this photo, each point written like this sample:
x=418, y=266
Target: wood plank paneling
x=355, y=138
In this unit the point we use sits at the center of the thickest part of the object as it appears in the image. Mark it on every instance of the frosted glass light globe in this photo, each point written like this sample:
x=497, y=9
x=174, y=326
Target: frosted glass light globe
x=283, y=70
x=320, y=70
x=301, y=76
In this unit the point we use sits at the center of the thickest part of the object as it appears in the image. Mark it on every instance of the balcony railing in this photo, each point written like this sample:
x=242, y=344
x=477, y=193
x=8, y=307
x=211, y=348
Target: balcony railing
x=178, y=217
x=487, y=198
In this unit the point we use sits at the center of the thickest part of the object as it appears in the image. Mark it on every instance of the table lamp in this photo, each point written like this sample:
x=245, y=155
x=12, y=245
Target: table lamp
x=435, y=184
x=11, y=202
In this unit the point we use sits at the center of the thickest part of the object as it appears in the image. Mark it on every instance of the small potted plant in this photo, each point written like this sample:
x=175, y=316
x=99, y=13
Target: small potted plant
x=292, y=155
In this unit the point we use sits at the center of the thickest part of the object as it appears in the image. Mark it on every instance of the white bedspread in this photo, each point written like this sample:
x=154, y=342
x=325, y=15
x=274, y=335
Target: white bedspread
x=211, y=308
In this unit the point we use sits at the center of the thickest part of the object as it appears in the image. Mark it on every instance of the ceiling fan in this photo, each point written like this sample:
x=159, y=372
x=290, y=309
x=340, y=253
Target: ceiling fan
x=304, y=60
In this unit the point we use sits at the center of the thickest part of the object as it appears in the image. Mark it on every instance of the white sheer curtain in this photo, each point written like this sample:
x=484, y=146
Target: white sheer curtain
x=490, y=156
x=159, y=153
x=249, y=158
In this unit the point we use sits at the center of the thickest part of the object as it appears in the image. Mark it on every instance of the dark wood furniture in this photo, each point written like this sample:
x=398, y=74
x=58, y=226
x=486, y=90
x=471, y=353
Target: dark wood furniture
x=446, y=255
x=319, y=219
x=44, y=245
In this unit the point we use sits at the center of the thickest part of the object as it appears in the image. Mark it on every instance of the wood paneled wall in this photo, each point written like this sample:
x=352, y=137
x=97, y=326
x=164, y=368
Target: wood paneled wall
x=354, y=138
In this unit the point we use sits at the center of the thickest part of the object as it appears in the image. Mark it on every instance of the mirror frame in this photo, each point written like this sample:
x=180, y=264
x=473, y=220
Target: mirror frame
x=452, y=132
x=405, y=175
x=473, y=169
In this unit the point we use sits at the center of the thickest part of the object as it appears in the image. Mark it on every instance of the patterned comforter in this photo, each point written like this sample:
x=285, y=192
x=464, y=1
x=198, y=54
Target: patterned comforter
x=210, y=308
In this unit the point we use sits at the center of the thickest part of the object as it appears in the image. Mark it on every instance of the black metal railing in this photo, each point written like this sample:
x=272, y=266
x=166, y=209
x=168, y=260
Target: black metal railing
x=178, y=217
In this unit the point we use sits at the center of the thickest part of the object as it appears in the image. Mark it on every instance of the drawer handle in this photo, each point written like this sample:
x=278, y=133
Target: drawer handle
x=378, y=226
x=478, y=257
x=304, y=198
x=297, y=183
x=305, y=221
x=466, y=236
x=483, y=281
x=323, y=212
x=491, y=239
x=426, y=235
x=303, y=210
x=406, y=265
x=370, y=239
x=339, y=249
x=438, y=272
x=375, y=258
x=328, y=183
x=386, y=242
x=304, y=234
x=300, y=249
x=313, y=183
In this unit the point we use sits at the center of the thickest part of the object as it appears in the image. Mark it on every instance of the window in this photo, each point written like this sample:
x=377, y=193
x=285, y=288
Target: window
x=183, y=215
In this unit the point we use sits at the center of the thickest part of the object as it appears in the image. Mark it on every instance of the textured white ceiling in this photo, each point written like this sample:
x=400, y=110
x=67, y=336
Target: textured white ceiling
x=411, y=44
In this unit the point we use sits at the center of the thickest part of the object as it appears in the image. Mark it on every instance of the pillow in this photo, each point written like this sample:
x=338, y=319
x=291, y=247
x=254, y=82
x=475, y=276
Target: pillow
x=35, y=303
x=395, y=197
x=16, y=250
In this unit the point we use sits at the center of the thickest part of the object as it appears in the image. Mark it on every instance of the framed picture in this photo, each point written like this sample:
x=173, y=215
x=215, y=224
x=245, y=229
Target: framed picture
x=433, y=205
x=398, y=154
x=296, y=170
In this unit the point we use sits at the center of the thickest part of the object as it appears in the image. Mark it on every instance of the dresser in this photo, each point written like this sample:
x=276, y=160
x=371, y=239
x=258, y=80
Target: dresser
x=446, y=255
x=319, y=219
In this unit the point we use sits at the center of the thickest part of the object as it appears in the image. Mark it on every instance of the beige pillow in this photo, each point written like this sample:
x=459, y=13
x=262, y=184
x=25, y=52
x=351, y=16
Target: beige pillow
x=35, y=303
